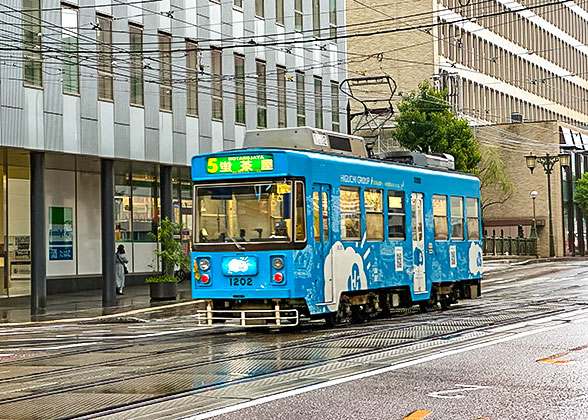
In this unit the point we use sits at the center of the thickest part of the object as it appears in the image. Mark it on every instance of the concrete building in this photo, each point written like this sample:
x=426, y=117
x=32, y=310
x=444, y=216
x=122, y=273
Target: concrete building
x=102, y=107
x=501, y=62
x=539, y=138
x=496, y=58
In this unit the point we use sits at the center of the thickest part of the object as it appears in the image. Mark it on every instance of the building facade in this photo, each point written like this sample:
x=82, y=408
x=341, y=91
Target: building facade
x=501, y=62
x=496, y=58
x=103, y=105
x=539, y=138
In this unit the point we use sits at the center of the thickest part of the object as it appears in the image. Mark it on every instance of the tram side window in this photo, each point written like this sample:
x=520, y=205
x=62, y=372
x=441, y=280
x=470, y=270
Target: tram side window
x=457, y=218
x=300, y=213
x=374, y=214
x=473, y=219
x=350, y=214
x=320, y=210
x=316, y=208
x=440, y=217
x=396, y=226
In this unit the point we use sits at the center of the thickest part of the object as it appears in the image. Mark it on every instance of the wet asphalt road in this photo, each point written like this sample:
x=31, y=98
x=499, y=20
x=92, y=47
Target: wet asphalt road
x=494, y=374
x=541, y=375
x=504, y=381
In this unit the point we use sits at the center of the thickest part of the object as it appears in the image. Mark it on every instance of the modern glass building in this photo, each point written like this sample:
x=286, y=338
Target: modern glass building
x=103, y=105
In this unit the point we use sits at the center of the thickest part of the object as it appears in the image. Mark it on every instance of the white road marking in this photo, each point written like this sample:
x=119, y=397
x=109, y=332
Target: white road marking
x=51, y=347
x=457, y=392
x=302, y=390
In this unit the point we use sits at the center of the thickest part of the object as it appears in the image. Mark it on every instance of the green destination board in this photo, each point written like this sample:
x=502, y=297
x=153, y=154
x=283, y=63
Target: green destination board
x=239, y=164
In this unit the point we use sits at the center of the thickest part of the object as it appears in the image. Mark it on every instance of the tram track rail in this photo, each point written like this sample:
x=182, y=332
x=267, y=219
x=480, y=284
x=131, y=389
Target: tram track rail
x=329, y=339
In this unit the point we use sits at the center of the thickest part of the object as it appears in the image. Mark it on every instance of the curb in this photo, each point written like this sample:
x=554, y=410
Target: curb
x=101, y=317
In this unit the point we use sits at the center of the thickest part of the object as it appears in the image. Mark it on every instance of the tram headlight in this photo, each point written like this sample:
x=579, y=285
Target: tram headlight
x=204, y=264
x=278, y=263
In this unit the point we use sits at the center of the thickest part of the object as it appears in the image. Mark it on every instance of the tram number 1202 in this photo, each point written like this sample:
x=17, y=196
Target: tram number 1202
x=241, y=281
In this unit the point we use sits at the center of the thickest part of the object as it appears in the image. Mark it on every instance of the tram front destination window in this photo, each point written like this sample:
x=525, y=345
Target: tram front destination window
x=245, y=213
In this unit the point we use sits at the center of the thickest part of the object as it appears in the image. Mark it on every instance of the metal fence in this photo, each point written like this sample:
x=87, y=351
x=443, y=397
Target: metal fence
x=510, y=246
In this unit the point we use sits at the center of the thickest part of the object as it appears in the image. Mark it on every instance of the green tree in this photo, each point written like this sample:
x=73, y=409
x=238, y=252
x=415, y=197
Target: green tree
x=495, y=185
x=427, y=124
x=581, y=194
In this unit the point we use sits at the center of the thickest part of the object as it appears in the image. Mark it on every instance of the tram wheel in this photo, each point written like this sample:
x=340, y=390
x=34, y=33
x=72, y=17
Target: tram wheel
x=331, y=319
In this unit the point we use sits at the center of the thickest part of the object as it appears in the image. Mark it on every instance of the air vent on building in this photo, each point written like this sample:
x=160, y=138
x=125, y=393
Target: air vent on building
x=516, y=117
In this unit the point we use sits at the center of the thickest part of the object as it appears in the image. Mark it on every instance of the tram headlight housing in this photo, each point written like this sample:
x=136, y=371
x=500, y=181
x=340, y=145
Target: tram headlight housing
x=204, y=264
x=278, y=263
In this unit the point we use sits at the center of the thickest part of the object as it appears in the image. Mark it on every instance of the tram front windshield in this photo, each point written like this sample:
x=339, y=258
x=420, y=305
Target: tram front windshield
x=256, y=212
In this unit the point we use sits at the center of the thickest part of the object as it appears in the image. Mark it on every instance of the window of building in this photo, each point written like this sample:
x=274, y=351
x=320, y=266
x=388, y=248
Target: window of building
x=300, y=213
x=300, y=106
x=217, y=84
x=69, y=42
x=165, y=72
x=473, y=219
x=318, y=102
x=298, y=15
x=316, y=18
x=136, y=41
x=280, y=12
x=192, y=78
x=259, y=8
x=336, y=126
x=396, y=216
x=457, y=218
x=374, y=214
x=239, y=89
x=440, y=217
x=333, y=18
x=281, y=75
x=350, y=214
x=122, y=202
x=261, y=95
x=238, y=3
x=145, y=183
x=33, y=58
x=105, y=76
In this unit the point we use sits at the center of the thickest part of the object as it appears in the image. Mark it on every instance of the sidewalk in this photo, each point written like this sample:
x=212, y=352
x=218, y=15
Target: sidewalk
x=85, y=304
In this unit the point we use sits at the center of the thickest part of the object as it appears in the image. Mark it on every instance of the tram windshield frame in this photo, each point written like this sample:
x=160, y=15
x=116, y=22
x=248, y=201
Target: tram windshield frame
x=249, y=215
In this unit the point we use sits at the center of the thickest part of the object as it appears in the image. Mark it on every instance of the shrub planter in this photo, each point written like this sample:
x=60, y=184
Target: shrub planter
x=163, y=291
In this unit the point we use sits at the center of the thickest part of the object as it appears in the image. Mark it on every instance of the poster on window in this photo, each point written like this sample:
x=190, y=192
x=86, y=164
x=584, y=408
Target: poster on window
x=60, y=233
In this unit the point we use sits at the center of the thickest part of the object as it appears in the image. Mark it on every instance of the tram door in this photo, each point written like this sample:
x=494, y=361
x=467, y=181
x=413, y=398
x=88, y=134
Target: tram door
x=321, y=202
x=418, y=242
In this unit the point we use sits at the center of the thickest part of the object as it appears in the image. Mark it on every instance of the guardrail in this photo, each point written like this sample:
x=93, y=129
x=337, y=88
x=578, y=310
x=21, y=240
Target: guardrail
x=509, y=246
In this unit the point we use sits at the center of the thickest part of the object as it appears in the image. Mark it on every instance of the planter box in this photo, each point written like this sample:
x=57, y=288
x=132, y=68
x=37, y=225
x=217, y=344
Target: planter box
x=163, y=291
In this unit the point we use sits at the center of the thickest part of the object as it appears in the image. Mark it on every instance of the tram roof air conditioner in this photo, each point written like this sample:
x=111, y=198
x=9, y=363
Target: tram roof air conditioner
x=516, y=117
x=443, y=161
x=307, y=138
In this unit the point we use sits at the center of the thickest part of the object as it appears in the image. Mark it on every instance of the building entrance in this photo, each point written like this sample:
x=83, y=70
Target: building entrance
x=15, y=230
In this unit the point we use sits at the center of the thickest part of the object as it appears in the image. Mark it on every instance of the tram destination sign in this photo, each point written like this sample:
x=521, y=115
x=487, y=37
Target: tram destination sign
x=239, y=164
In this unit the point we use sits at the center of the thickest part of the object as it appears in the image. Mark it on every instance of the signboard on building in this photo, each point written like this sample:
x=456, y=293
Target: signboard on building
x=60, y=233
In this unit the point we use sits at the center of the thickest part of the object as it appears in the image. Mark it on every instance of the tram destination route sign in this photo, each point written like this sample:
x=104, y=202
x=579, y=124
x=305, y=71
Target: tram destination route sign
x=239, y=164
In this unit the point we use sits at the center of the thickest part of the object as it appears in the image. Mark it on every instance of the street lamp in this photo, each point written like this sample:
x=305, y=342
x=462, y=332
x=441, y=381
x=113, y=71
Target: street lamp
x=548, y=162
x=534, y=195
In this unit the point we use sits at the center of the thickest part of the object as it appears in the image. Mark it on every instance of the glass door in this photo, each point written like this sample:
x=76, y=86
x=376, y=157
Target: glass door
x=18, y=257
x=15, y=219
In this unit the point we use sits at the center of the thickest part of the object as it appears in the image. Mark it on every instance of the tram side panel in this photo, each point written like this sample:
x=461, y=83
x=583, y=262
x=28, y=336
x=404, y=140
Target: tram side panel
x=351, y=266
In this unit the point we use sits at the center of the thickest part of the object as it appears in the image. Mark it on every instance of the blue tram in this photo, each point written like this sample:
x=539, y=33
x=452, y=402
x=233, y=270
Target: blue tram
x=301, y=223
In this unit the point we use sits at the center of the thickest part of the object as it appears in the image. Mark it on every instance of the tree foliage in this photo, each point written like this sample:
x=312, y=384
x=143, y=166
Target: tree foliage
x=581, y=194
x=496, y=187
x=427, y=124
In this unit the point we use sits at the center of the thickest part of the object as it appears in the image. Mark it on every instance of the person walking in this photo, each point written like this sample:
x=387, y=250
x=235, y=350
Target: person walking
x=120, y=269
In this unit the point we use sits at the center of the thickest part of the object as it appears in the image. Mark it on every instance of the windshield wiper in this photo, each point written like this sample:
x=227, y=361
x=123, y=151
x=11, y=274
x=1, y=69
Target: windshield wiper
x=237, y=244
